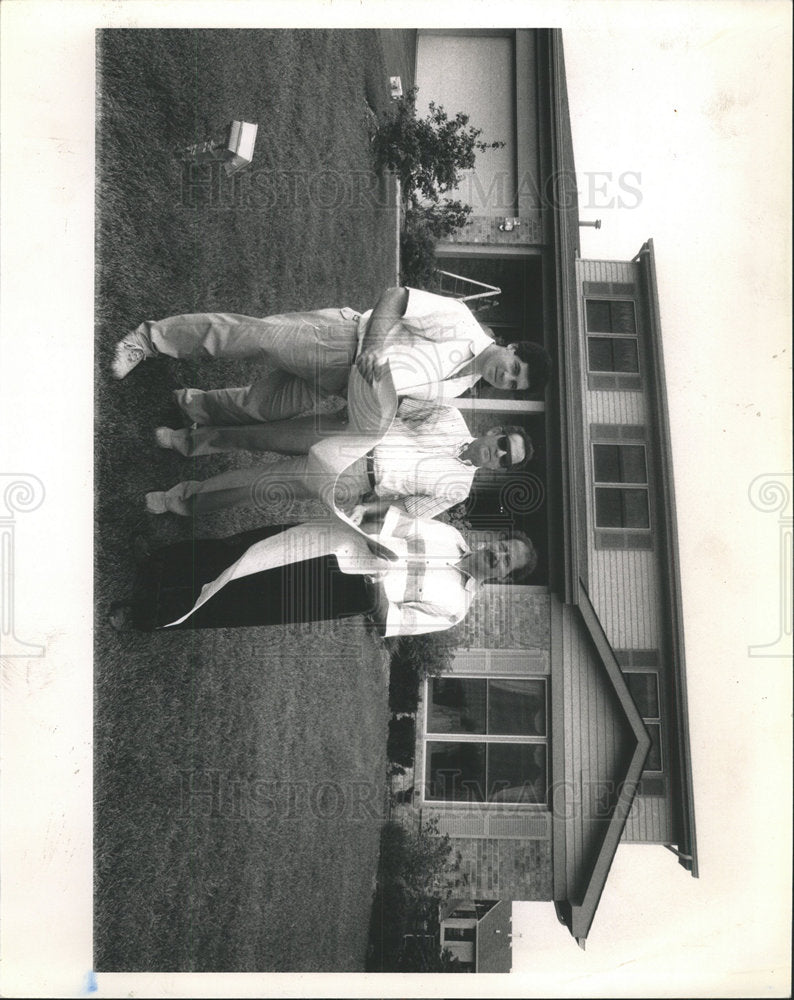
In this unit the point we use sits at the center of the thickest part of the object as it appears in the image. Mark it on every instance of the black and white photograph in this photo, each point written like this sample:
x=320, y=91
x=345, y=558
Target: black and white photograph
x=397, y=505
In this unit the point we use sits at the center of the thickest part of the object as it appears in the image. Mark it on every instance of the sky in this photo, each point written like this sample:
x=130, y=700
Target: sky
x=689, y=104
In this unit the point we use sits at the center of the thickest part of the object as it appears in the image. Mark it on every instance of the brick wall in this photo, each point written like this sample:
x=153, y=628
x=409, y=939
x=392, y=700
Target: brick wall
x=505, y=869
x=485, y=229
x=508, y=618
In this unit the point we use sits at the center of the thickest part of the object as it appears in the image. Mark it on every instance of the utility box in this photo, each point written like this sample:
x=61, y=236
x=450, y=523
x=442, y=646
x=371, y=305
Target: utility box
x=235, y=150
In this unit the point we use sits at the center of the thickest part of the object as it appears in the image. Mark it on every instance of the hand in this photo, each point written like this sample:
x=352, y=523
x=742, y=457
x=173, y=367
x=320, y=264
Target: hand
x=358, y=513
x=370, y=366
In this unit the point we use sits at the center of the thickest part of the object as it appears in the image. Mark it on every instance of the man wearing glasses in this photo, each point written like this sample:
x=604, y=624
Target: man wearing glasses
x=424, y=464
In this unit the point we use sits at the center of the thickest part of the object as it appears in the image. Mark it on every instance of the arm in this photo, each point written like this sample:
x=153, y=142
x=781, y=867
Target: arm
x=369, y=514
x=379, y=612
x=387, y=313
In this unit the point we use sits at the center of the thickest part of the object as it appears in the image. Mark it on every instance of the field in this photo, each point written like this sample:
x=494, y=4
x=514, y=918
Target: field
x=239, y=773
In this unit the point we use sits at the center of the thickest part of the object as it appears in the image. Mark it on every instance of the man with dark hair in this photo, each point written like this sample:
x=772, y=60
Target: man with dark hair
x=413, y=575
x=425, y=463
x=435, y=347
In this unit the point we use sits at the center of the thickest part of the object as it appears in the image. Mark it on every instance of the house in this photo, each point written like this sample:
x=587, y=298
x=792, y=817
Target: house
x=477, y=933
x=560, y=733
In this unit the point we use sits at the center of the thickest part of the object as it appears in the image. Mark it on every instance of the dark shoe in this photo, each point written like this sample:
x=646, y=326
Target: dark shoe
x=120, y=616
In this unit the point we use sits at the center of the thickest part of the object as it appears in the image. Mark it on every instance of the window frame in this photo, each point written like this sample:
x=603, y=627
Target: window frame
x=485, y=739
x=621, y=536
x=604, y=380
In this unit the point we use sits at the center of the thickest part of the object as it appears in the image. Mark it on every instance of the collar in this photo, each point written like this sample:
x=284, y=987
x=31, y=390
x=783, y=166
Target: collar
x=461, y=447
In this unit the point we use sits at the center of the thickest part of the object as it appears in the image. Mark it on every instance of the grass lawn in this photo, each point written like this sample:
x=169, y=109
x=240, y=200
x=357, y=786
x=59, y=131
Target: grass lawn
x=239, y=773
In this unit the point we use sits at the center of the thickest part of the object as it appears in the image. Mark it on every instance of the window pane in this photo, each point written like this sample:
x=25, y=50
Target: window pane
x=645, y=693
x=635, y=505
x=456, y=706
x=456, y=772
x=612, y=354
x=624, y=352
x=619, y=463
x=653, y=761
x=632, y=464
x=610, y=316
x=598, y=316
x=606, y=459
x=517, y=708
x=618, y=507
x=609, y=509
x=599, y=354
x=622, y=316
x=516, y=772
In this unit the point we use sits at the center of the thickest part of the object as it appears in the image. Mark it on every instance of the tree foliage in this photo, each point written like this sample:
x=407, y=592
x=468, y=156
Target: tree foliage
x=427, y=154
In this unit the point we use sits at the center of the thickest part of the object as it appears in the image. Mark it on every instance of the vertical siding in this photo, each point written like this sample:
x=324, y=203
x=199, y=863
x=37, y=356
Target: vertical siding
x=597, y=746
x=624, y=591
x=622, y=583
x=649, y=820
x=603, y=407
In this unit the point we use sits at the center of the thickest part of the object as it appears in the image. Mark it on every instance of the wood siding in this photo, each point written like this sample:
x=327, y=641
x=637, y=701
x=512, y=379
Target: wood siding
x=624, y=585
x=598, y=747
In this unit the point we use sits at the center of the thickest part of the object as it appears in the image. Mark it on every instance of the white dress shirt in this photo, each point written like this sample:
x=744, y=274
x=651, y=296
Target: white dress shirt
x=434, y=339
x=418, y=459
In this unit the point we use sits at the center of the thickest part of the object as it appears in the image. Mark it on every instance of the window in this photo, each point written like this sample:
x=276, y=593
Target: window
x=644, y=690
x=460, y=933
x=612, y=344
x=610, y=316
x=619, y=503
x=486, y=740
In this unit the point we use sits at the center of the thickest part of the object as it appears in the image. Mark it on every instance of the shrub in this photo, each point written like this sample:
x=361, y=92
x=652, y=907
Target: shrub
x=416, y=870
x=429, y=654
x=404, y=679
x=402, y=740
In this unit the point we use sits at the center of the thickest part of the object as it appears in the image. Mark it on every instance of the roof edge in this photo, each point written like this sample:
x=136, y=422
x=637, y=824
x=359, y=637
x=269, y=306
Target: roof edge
x=671, y=565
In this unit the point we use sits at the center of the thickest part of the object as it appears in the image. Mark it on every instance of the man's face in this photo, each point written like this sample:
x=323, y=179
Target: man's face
x=496, y=450
x=499, y=559
x=505, y=370
x=496, y=560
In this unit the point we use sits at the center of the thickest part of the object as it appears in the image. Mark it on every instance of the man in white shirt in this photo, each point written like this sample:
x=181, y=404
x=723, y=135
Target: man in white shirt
x=322, y=571
x=436, y=348
x=425, y=463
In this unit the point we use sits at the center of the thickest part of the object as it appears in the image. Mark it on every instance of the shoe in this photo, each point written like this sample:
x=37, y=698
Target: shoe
x=128, y=355
x=155, y=503
x=120, y=616
x=163, y=437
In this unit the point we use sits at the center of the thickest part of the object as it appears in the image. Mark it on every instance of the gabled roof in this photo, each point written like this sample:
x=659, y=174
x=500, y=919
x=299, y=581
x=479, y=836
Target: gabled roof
x=578, y=913
x=494, y=943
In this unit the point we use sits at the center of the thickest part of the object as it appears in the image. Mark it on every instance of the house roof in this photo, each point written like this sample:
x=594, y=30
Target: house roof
x=578, y=913
x=494, y=944
x=564, y=220
x=670, y=566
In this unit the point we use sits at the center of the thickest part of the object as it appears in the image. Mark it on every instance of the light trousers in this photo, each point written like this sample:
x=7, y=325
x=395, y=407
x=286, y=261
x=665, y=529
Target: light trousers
x=305, y=356
x=269, y=488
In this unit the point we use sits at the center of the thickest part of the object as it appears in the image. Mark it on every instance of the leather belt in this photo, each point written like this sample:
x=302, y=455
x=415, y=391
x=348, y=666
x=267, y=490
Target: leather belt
x=370, y=457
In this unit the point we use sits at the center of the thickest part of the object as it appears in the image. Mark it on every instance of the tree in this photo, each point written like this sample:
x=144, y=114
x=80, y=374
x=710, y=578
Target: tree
x=427, y=154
